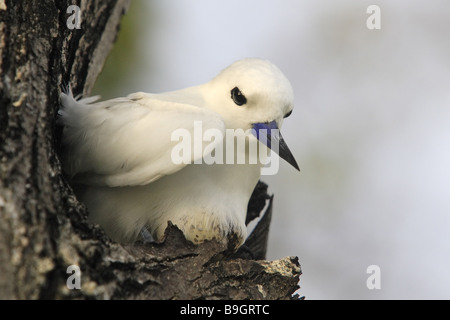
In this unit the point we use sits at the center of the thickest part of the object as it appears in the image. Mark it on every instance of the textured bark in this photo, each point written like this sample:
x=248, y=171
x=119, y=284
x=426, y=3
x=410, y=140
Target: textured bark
x=43, y=227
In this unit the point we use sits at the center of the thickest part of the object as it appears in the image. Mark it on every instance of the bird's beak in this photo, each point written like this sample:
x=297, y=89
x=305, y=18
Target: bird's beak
x=269, y=134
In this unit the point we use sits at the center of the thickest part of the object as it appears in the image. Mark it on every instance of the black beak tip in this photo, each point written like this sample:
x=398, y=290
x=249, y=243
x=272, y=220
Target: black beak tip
x=293, y=163
x=286, y=154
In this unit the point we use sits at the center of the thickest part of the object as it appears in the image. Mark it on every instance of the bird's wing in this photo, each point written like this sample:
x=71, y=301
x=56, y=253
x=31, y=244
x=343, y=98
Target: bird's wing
x=128, y=141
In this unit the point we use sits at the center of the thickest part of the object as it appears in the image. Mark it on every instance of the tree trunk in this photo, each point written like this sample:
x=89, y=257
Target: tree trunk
x=43, y=227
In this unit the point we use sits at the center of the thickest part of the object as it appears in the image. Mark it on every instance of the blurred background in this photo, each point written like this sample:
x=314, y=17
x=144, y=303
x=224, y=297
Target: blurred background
x=370, y=128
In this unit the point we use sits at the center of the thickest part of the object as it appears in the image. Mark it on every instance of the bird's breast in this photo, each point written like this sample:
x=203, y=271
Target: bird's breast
x=204, y=201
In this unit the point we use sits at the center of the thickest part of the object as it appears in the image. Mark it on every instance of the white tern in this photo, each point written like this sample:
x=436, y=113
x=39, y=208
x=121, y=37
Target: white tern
x=119, y=153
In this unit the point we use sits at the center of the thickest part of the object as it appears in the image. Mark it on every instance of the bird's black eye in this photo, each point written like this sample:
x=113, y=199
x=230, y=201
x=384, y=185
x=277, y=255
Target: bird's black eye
x=238, y=97
x=287, y=114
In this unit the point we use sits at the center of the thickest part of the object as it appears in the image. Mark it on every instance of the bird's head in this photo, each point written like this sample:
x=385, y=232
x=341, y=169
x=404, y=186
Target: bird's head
x=253, y=94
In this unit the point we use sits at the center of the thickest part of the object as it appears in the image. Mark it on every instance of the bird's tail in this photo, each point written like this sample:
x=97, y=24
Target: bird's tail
x=71, y=105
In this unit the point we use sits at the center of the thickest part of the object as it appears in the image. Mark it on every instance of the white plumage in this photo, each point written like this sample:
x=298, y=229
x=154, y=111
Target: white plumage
x=118, y=153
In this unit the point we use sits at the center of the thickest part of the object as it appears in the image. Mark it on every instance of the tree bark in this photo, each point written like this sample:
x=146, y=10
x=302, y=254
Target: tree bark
x=43, y=227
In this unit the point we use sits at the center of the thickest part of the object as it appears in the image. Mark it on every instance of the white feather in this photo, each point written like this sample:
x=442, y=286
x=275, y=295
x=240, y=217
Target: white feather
x=126, y=141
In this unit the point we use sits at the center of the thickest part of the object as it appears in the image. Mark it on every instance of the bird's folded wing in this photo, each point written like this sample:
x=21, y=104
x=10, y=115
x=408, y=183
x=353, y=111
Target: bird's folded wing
x=130, y=141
